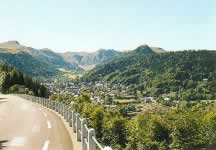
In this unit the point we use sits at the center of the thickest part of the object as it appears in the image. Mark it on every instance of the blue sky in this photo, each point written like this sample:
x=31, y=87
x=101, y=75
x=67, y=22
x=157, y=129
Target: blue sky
x=87, y=25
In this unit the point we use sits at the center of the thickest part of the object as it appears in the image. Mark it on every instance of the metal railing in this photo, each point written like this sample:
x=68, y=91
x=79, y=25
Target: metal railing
x=79, y=125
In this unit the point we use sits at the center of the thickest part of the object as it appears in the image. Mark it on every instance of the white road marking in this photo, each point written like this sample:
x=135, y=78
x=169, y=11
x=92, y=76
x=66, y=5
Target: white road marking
x=45, y=114
x=36, y=129
x=18, y=141
x=49, y=124
x=46, y=145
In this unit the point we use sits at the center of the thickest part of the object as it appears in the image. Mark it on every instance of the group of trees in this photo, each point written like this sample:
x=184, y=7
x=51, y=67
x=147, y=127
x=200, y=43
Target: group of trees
x=185, y=126
x=66, y=98
x=14, y=80
x=110, y=125
x=189, y=75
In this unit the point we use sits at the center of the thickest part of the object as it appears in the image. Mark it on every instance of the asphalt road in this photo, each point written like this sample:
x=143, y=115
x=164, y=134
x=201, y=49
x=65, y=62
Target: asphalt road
x=28, y=126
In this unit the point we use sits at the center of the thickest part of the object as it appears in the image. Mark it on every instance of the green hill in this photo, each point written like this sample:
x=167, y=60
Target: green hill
x=34, y=62
x=28, y=64
x=187, y=75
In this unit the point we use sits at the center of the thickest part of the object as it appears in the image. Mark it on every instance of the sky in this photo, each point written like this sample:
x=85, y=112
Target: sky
x=88, y=25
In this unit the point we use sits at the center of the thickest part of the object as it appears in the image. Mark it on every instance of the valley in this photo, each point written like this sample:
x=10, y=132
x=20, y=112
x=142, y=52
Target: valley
x=145, y=86
x=108, y=75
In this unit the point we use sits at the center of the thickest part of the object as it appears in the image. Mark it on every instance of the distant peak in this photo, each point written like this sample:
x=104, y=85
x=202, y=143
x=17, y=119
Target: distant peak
x=104, y=50
x=11, y=43
x=158, y=49
x=144, y=45
x=46, y=49
x=101, y=49
x=143, y=49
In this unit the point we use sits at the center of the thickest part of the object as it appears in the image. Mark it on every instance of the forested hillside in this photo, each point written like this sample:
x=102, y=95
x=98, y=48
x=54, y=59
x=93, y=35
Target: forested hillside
x=14, y=81
x=28, y=64
x=188, y=75
x=34, y=62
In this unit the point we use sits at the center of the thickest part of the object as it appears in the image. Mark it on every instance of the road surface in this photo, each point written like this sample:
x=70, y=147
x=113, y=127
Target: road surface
x=28, y=126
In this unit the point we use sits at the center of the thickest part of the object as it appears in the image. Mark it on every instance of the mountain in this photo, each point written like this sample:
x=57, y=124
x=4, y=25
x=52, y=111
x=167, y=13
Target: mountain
x=28, y=64
x=47, y=63
x=94, y=58
x=85, y=59
x=143, y=49
x=43, y=55
x=34, y=62
x=156, y=74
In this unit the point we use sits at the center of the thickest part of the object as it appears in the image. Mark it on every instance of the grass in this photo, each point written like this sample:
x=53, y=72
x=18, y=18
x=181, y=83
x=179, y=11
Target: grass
x=87, y=67
x=125, y=101
x=67, y=74
x=65, y=70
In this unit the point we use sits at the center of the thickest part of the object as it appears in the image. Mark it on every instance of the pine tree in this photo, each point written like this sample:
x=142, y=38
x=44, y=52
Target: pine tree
x=6, y=83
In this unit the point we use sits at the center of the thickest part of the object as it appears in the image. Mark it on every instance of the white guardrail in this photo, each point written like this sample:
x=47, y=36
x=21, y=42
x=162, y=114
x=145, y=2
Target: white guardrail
x=83, y=133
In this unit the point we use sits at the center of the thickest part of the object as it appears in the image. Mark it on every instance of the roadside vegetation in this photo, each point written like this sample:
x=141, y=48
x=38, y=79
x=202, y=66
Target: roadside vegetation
x=14, y=81
x=184, y=126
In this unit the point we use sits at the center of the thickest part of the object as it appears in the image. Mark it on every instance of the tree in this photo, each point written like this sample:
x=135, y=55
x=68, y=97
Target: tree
x=97, y=121
x=119, y=131
x=6, y=83
x=108, y=100
x=85, y=97
x=188, y=132
x=43, y=91
x=17, y=80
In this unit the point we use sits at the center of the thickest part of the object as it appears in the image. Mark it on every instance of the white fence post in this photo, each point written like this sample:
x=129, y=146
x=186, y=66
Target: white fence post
x=84, y=133
x=68, y=115
x=55, y=106
x=91, y=143
x=107, y=148
x=50, y=104
x=74, y=121
x=78, y=127
x=46, y=103
x=62, y=108
x=59, y=107
x=71, y=119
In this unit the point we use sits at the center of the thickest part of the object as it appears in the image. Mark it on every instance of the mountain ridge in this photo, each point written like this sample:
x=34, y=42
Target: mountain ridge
x=34, y=62
x=93, y=58
x=48, y=61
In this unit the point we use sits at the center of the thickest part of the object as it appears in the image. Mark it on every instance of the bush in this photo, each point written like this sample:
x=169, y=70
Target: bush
x=17, y=89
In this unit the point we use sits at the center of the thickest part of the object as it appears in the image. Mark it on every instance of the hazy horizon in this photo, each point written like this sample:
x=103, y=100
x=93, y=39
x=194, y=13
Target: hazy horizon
x=88, y=26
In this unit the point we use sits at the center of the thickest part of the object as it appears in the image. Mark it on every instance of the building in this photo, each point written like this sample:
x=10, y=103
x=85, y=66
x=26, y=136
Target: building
x=147, y=99
x=74, y=90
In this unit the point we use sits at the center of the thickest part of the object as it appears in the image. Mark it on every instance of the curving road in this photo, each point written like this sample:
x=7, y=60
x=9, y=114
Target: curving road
x=28, y=126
